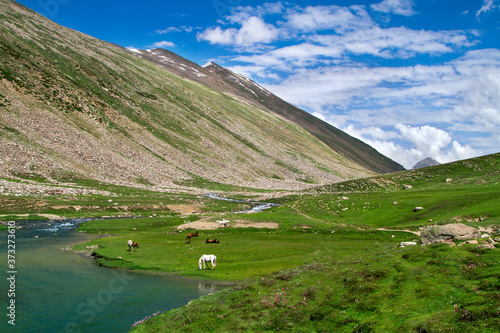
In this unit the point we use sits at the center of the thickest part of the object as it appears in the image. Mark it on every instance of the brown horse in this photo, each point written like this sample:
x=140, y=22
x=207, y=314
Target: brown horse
x=190, y=235
x=212, y=241
x=131, y=245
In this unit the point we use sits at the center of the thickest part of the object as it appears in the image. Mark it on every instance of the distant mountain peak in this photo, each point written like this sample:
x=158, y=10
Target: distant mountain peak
x=429, y=161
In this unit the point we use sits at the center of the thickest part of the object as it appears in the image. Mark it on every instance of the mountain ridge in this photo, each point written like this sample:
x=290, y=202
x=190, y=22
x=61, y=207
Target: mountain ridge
x=73, y=106
x=350, y=147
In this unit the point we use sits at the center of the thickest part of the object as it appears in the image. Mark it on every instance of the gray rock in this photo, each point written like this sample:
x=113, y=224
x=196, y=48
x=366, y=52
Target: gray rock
x=440, y=233
x=486, y=247
x=403, y=244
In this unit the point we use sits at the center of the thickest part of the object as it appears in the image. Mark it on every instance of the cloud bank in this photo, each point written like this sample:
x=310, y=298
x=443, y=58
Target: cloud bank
x=410, y=93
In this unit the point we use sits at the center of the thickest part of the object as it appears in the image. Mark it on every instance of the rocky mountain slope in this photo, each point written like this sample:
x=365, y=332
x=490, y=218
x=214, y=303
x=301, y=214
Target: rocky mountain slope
x=225, y=80
x=74, y=106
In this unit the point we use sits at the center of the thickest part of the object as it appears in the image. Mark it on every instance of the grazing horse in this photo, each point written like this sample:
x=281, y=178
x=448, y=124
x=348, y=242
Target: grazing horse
x=205, y=259
x=131, y=245
x=212, y=241
x=190, y=235
x=223, y=223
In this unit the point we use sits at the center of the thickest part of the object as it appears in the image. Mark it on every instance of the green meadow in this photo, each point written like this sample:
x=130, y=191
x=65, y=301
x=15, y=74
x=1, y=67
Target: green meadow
x=384, y=289
x=322, y=260
x=333, y=263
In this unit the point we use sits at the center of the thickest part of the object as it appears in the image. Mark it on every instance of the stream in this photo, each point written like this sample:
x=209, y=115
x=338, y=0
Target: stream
x=56, y=290
x=257, y=206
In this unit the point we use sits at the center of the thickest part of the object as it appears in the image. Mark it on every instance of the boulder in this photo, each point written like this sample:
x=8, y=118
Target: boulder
x=403, y=244
x=469, y=242
x=440, y=233
x=486, y=247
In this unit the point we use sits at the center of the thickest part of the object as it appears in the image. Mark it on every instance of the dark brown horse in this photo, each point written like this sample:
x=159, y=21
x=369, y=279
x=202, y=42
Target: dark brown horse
x=212, y=241
x=191, y=235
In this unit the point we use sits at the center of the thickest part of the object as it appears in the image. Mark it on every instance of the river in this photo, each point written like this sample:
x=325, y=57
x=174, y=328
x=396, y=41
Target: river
x=256, y=206
x=60, y=291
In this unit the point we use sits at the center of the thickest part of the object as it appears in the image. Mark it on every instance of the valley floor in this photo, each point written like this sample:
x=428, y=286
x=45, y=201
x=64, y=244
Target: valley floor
x=327, y=258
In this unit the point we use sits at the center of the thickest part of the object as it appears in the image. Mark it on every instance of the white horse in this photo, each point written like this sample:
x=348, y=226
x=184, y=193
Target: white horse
x=205, y=259
x=223, y=223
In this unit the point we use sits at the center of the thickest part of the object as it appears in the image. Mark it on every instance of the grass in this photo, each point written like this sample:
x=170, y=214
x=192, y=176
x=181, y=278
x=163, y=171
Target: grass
x=105, y=200
x=375, y=287
x=326, y=268
x=332, y=265
x=241, y=253
x=419, y=289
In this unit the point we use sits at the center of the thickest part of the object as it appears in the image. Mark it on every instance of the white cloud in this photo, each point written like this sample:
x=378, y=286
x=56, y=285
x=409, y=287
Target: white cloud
x=255, y=30
x=340, y=19
x=167, y=30
x=338, y=85
x=462, y=95
x=488, y=6
x=218, y=36
x=173, y=29
x=326, y=59
x=252, y=31
x=376, y=133
x=464, y=90
x=249, y=71
x=162, y=44
x=398, y=42
x=240, y=14
x=332, y=32
x=268, y=60
x=426, y=138
x=406, y=157
x=429, y=142
x=400, y=7
x=479, y=107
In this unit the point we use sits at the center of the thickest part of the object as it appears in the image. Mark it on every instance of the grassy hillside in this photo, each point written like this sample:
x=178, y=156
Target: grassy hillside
x=222, y=79
x=76, y=105
x=333, y=261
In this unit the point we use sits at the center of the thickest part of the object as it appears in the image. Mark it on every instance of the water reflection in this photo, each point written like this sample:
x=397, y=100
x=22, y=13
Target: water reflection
x=207, y=288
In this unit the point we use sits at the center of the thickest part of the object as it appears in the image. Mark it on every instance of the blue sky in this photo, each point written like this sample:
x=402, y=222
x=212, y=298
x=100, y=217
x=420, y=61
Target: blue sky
x=412, y=78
